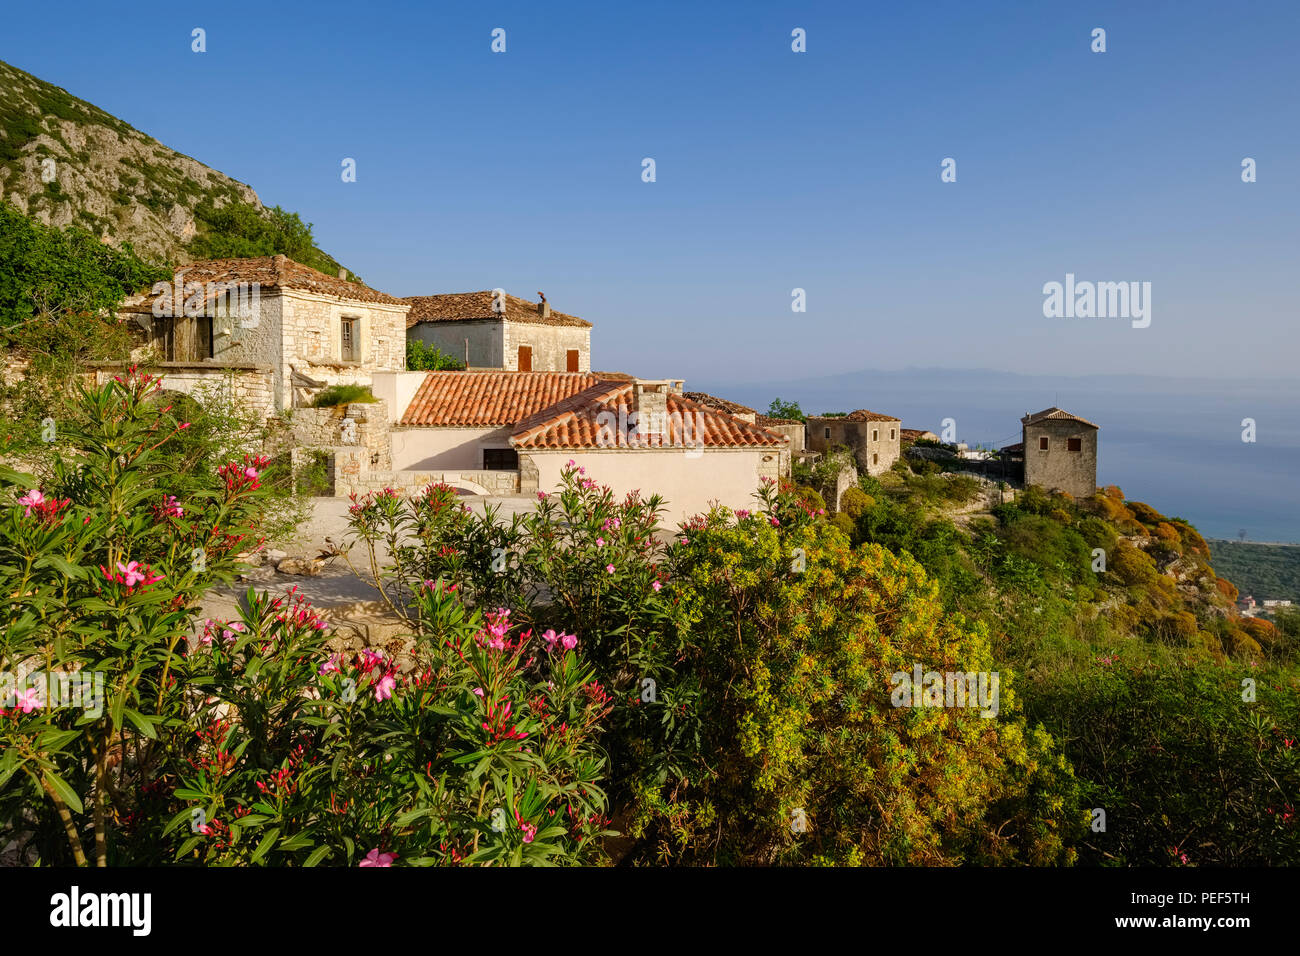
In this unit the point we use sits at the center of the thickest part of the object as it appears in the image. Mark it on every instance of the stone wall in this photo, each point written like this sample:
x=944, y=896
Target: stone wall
x=349, y=481
x=311, y=340
x=251, y=386
x=360, y=426
x=549, y=343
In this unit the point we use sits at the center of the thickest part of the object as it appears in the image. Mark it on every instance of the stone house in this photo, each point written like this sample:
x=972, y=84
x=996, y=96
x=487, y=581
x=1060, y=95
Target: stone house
x=1060, y=452
x=268, y=316
x=872, y=438
x=512, y=432
x=490, y=331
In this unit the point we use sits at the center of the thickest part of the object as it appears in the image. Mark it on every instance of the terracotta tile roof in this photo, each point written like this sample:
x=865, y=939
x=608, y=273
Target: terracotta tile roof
x=490, y=398
x=914, y=434
x=721, y=404
x=614, y=376
x=464, y=306
x=766, y=420
x=575, y=422
x=269, y=272
x=1055, y=414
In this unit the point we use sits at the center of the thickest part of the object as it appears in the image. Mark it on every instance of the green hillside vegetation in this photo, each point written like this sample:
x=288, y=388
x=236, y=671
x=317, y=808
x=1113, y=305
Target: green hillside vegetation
x=1136, y=670
x=1264, y=571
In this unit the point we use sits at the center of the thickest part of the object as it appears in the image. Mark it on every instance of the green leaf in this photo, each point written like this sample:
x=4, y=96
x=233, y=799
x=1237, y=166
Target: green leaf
x=317, y=855
x=65, y=792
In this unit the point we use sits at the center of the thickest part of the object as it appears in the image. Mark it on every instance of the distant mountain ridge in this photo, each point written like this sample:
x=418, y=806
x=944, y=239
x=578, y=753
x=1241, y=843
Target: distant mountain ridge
x=108, y=177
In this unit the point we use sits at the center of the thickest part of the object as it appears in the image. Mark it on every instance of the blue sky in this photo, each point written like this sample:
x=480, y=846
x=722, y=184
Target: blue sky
x=775, y=170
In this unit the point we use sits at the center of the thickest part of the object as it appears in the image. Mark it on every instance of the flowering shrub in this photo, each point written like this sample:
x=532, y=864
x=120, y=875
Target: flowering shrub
x=99, y=575
x=582, y=562
x=481, y=753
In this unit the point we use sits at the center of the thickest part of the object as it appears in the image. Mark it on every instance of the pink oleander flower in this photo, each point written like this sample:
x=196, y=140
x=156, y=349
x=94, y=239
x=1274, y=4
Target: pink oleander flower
x=33, y=499
x=550, y=637
x=375, y=858
x=205, y=829
x=686, y=540
x=742, y=513
x=478, y=691
x=171, y=507
x=571, y=463
x=657, y=586
x=530, y=831
x=570, y=641
x=775, y=521
x=609, y=568
x=29, y=700
x=250, y=473
x=229, y=633
x=600, y=542
x=541, y=496
x=384, y=689
x=331, y=666
x=370, y=659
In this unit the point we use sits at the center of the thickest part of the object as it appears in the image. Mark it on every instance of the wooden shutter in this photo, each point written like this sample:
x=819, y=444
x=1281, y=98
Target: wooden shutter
x=571, y=359
x=525, y=358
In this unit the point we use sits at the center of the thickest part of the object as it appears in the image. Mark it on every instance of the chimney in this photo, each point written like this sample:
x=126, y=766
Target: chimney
x=651, y=407
x=281, y=262
x=543, y=307
x=343, y=274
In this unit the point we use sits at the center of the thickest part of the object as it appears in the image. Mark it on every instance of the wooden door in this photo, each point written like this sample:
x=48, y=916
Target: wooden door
x=571, y=358
x=525, y=358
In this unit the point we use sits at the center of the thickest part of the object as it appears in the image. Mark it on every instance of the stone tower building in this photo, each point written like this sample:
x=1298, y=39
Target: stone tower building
x=873, y=438
x=1060, y=452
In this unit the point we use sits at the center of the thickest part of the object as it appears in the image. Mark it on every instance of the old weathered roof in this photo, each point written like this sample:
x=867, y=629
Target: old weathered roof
x=576, y=422
x=467, y=306
x=490, y=398
x=765, y=420
x=1055, y=414
x=269, y=272
x=861, y=415
x=913, y=434
x=721, y=404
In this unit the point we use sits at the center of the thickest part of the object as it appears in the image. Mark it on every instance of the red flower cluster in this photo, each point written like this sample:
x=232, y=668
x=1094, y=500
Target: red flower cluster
x=243, y=476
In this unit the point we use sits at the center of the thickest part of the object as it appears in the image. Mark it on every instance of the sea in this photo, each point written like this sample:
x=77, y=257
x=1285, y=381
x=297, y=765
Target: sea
x=1223, y=454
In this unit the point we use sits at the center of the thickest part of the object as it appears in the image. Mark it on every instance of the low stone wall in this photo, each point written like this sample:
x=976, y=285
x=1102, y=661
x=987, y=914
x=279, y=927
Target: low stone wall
x=251, y=386
x=362, y=426
x=349, y=479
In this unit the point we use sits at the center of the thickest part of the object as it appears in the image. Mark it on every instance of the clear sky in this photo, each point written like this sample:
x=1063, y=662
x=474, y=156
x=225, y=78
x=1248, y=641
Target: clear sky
x=775, y=169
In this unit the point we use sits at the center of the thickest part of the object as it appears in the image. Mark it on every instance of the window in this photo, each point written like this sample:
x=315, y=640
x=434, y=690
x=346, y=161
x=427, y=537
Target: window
x=875, y=434
x=875, y=459
x=1042, y=443
x=1075, y=444
x=828, y=433
x=205, y=337
x=349, y=348
x=893, y=433
x=571, y=360
x=500, y=459
x=525, y=358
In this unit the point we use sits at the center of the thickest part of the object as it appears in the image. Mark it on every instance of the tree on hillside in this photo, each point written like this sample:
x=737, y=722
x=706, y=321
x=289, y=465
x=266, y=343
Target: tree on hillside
x=241, y=231
x=52, y=273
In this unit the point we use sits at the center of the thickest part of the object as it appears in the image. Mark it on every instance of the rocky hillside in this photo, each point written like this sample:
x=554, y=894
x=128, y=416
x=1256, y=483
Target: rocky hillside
x=107, y=177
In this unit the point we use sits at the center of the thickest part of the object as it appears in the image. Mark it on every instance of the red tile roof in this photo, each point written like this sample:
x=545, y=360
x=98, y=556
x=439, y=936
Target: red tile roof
x=1055, y=414
x=269, y=272
x=575, y=422
x=466, y=306
x=490, y=398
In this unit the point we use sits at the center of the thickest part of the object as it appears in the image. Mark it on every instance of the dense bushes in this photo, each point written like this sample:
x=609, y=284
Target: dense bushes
x=1186, y=770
